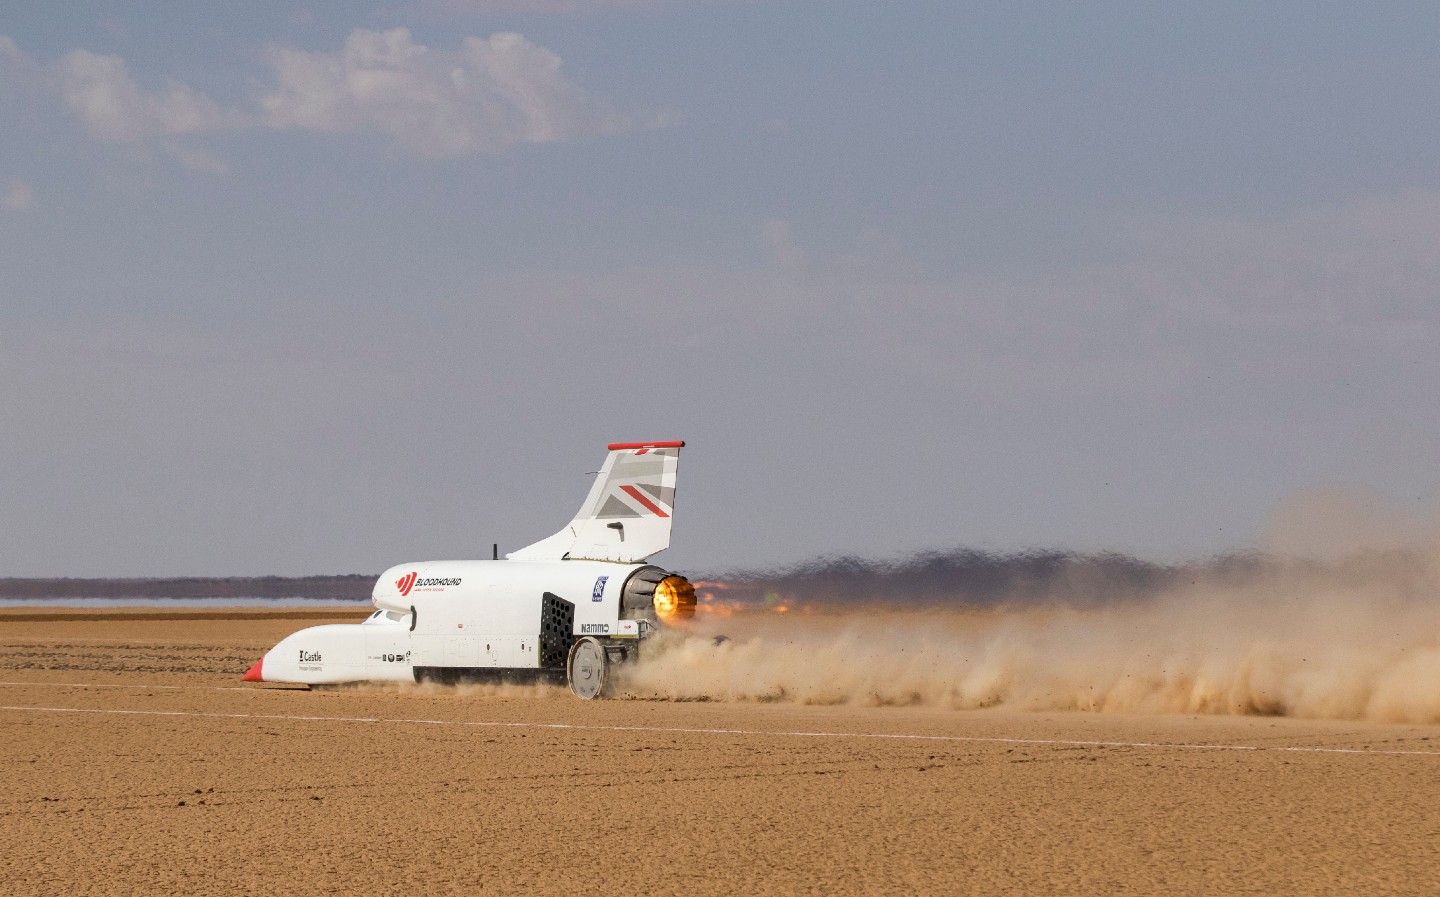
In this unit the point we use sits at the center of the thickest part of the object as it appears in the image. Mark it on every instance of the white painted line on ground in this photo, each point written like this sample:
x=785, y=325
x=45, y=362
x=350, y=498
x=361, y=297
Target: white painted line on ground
x=678, y=730
x=83, y=685
x=97, y=685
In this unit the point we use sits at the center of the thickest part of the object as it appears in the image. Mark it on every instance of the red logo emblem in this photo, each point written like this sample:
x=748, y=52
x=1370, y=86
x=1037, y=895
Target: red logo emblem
x=406, y=583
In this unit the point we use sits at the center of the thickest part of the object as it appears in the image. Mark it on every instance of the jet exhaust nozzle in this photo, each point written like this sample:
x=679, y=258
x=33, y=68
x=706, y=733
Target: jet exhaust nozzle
x=674, y=598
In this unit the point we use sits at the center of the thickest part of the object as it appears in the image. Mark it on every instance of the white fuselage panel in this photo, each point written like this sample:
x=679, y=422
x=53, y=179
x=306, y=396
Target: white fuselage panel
x=481, y=614
x=341, y=652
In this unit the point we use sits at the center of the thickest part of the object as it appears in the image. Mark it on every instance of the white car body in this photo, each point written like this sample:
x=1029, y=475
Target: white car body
x=377, y=650
x=575, y=602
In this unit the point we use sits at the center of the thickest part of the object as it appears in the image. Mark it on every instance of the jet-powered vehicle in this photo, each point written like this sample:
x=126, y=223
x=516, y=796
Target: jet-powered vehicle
x=574, y=605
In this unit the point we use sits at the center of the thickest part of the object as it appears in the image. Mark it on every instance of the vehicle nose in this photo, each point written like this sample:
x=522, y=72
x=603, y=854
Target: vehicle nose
x=256, y=673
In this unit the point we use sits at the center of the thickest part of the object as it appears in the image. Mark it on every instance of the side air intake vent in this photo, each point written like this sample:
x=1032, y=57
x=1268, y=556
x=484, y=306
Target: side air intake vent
x=557, y=623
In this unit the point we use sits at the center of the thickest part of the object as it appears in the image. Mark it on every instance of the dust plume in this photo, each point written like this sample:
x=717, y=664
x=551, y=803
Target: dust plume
x=1354, y=639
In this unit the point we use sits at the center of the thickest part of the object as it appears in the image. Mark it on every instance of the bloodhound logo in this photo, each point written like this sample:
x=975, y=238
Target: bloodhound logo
x=406, y=583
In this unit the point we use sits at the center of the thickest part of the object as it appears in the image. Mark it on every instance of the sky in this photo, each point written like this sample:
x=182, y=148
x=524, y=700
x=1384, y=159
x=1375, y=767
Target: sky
x=293, y=288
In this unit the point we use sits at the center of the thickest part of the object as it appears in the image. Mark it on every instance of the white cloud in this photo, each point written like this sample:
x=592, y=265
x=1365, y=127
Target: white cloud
x=18, y=72
x=491, y=93
x=111, y=105
x=10, y=55
x=18, y=197
x=99, y=91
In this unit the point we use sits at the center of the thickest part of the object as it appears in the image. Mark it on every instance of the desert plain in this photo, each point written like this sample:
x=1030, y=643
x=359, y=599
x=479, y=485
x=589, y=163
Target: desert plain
x=135, y=761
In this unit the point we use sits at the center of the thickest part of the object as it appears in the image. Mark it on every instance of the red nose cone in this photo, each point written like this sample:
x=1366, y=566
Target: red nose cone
x=255, y=673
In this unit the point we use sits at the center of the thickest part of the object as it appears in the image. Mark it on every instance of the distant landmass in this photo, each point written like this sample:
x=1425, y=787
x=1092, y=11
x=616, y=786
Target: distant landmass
x=349, y=586
x=956, y=577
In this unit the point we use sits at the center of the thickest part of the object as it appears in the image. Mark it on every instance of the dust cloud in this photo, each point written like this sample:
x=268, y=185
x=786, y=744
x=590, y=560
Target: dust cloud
x=1353, y=639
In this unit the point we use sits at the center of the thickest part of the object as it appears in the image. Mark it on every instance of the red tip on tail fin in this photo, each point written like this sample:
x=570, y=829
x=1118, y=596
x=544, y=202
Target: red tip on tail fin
x=621, y=446
x=256, y=673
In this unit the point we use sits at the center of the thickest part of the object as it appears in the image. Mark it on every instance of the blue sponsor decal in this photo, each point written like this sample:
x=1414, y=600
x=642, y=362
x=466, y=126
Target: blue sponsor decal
x=598, y=593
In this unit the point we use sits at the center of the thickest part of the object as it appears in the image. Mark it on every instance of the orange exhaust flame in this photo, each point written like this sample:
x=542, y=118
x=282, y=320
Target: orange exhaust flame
x=674, y=599
x=713, y=605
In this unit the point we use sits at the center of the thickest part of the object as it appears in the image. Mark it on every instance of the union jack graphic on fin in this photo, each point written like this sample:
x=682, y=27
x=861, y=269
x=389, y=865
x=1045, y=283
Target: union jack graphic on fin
x=628, y=513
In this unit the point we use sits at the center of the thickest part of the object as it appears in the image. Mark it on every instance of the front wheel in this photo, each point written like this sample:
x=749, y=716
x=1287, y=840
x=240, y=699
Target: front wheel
x=587, y=669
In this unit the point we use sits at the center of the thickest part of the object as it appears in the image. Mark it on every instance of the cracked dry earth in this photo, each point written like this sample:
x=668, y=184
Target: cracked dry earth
x=135, y=762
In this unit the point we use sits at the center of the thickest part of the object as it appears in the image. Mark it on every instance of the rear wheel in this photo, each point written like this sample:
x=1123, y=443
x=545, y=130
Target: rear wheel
x=587, y=669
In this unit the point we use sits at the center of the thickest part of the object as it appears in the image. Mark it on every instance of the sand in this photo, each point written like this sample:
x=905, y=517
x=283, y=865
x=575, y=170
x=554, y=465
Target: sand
x=135, y=761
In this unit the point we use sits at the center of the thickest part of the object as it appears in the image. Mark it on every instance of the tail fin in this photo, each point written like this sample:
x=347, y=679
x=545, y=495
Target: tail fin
x=627, y=515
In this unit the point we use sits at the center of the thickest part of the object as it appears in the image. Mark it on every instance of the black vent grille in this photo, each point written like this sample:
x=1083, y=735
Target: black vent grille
x=557, y=627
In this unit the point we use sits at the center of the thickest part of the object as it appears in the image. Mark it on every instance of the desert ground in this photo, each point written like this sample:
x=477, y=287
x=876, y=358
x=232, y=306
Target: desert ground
x=135, y=761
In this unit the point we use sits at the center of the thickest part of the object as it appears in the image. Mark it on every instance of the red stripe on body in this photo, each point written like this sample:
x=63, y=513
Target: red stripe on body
x=641, y=497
